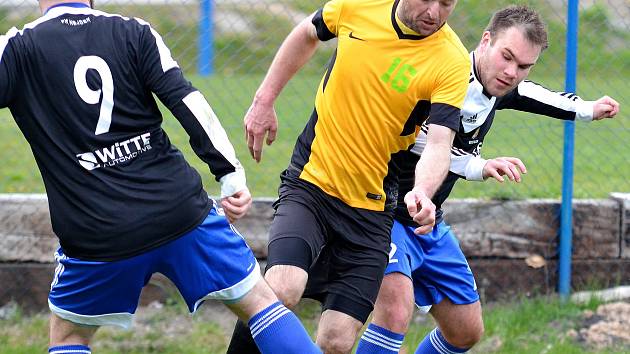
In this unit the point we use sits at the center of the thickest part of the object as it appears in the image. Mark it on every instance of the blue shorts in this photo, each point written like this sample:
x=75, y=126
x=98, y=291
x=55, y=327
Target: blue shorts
x=435, y=263
x=210, y=262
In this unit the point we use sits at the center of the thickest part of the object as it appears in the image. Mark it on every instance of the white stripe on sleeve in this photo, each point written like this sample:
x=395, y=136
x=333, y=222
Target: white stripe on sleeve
x=230, y=183
x=166, y=59
x=4, y=40
x=541, y=94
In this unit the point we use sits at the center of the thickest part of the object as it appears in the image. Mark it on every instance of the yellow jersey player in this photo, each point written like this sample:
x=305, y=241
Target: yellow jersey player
x=396, y=64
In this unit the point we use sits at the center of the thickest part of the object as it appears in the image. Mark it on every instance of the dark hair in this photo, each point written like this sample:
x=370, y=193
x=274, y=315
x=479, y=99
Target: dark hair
x=522, y=17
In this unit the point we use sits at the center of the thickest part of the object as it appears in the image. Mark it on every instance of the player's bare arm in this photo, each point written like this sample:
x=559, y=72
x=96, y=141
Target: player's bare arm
x=430, y=172
x=605, y=107
x=261, y=122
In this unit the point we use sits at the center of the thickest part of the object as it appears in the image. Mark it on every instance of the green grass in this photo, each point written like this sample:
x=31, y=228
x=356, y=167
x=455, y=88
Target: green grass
x=536, y=325
x=601, y=159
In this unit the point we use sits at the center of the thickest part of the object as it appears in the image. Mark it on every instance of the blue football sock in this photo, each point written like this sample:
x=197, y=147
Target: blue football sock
x=277, y=330
x=434, y=343
x=70, y=349
x=378, y=340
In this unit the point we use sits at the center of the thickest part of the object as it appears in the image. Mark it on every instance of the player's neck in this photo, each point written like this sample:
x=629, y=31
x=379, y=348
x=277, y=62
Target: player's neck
x=44, y=5
x=477, y=64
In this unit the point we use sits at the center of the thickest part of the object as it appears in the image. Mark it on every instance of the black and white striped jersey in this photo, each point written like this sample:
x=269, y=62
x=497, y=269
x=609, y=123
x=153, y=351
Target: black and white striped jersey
x=80, y=84
x=476, y=118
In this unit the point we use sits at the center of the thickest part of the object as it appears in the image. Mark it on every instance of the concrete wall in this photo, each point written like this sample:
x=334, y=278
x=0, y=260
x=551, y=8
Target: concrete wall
x=500, y=238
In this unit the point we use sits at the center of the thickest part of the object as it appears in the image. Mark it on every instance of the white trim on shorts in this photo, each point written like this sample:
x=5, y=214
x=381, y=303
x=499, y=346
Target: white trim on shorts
x=120, y=319
x=235, y=291
x=424, y=309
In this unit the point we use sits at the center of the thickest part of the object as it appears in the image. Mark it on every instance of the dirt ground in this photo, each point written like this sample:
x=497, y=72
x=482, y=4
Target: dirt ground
x=607, y=327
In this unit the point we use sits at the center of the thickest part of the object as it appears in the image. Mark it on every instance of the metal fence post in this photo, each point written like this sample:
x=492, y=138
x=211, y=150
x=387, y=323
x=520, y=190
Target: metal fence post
x=206, y=39
x=566, y=217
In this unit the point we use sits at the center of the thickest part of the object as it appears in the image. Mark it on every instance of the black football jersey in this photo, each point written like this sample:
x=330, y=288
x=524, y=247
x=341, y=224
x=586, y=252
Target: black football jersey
x=80, y=83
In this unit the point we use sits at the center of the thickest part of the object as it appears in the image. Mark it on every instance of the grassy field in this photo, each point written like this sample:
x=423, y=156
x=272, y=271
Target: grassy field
x=602, y=162
x=538, y=325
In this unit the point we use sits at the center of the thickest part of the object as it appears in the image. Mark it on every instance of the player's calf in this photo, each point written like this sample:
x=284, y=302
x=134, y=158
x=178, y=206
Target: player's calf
x=68, y=337
x=269, y=320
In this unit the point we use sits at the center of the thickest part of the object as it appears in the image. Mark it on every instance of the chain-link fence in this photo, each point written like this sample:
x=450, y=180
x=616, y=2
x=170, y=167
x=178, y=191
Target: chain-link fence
x=246, y=34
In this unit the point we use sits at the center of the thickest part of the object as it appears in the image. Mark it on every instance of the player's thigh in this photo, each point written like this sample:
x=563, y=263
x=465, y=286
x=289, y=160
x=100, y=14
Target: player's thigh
x=444, y=271
x=337, y=332
x=211, y=261
x=357, y=260
x=298, y=232
x=296, y=238
x=394, y=304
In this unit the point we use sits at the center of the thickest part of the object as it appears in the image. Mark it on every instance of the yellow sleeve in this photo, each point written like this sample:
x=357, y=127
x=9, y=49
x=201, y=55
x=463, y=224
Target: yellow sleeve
x=453, y=85
x=331, y=14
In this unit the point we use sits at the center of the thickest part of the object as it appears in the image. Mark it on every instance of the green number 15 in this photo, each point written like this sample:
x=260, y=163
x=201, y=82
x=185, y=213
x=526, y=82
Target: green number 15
x=404, y=73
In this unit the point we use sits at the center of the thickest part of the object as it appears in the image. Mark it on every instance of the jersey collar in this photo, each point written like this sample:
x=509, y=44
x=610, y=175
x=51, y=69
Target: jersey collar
x=68, y=4
x=401, y=33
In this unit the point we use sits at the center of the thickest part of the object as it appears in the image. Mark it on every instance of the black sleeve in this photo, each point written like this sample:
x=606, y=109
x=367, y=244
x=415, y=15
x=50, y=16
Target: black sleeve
x=445, y=115
x=164, y=78
x=323, y=33
x=531, y=97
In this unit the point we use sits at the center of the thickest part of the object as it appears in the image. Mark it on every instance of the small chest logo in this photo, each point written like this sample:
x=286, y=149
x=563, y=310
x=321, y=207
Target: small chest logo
x=471, y=119
x=374, y=196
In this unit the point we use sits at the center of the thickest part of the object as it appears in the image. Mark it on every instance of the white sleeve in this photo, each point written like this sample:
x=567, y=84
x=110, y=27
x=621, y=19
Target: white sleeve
x=468, y=166
x=463, y=163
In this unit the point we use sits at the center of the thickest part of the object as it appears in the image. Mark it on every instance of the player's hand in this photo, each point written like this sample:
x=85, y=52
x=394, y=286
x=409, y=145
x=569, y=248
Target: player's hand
x=605, y=107
x=236, y=205
x=511, y=167
x=422, y=210
x=260, y=121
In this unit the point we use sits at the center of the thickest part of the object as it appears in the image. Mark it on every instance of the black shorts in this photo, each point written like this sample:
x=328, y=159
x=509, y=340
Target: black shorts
x=343, y=249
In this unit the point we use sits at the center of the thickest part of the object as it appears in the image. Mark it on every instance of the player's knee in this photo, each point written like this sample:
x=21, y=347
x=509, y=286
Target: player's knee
x=465, y=337
x=393, y=314
x=287, y=283
x=288, y=296
x=476, y=334
x=394, y=305
x=335, y=341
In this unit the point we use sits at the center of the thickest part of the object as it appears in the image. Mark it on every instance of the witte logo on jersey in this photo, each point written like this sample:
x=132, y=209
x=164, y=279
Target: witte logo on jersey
x=119, y=152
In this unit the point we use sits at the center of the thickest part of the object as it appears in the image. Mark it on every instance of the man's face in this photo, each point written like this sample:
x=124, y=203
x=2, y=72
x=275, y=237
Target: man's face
x=425, y=16
x=502, y=65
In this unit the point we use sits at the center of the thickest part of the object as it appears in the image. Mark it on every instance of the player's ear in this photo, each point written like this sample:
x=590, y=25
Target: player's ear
x=486, y=40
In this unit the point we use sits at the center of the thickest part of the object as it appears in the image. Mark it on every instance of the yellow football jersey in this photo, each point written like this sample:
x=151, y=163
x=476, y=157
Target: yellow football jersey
x=379, y=86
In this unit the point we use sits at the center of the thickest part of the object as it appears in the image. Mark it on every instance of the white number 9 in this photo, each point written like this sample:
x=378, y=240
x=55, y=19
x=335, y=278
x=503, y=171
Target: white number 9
x=92, y=96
